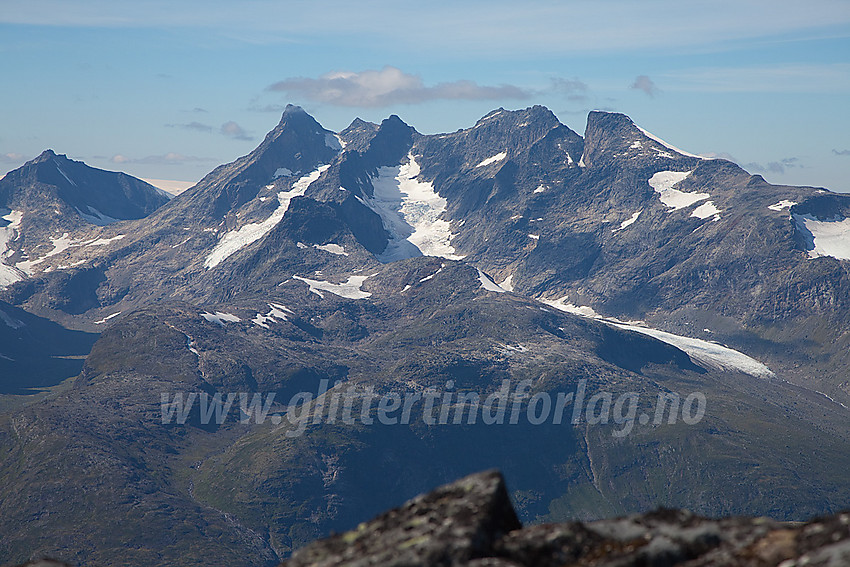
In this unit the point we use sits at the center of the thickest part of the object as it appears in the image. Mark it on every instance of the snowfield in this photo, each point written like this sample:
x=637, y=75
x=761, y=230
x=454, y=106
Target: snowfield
x=663, y=183
x=489, y=284
x=702, y=352
x=825, y=237
x=332, y=248
x=784, y=204
x=234, y=240
x=706, y=210
x=96, y=217
x=277, y=311
x=9, y=274
x=668, y=146
x=498, y=157
x=410, y=211
x=349, y=289
x=629, y=221
x=220, y=318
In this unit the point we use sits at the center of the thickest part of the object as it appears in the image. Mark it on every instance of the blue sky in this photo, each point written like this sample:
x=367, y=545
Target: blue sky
x=170, y=89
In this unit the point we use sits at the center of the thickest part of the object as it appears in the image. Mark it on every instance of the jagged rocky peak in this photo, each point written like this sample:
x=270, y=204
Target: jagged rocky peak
x=611, y=135
x=502, y=135
x=99, y=197
x=358, y=134
x=47, y=155
x=536, y=116
x=390, y=144
x=297, y=146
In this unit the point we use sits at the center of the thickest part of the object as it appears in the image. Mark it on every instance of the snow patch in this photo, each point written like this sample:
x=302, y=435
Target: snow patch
x=488, y=284
x=96, y=217
x=508, y=349
x=825, y=237
x=669, y=146
x=493, y=159
x=636, y=145
x=568, y=307
x=540, y=189
x=629, y=221
x=234, y=240
x=104, y=241
x=706, y=210
x=488, y=117
x=8, y=233
x=277, y=311
x=349, y=289
x=534, y=236
x=220, y=318
x=426, y=278
x=784, y=204
x=107, y=318
x=10, y=321
x=410, y=211
x=68, y=179
x=332, y=248
x=663, y=183
x=60, y=244
x=831, y=399
x=507, y=284
x=707, y=353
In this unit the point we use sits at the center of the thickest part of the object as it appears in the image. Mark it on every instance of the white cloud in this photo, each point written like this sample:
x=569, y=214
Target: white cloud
x=233, y=130
x=387, y=87
x=645, y=84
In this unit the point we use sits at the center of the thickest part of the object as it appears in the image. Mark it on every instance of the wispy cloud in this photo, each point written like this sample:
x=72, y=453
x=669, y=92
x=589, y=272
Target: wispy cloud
x=170, y=158
x=233, y=130
x=573, y=89
x=229, y=129
x=388, y=86
x=774, y=166
x=645, y=84
x=12, y=157
x=502, y=27
x=832, y=78
x=841, y=152
x=196, y=126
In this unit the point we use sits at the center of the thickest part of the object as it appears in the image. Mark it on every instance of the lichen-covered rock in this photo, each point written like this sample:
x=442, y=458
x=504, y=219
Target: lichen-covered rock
x=452, y=525
x=471, y=523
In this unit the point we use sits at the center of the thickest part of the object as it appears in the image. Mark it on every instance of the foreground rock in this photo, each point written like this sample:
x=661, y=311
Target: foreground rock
x=471, y=522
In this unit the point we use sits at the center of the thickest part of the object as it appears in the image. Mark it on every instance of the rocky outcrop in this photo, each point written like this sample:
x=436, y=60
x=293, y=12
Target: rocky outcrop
x=471, y=522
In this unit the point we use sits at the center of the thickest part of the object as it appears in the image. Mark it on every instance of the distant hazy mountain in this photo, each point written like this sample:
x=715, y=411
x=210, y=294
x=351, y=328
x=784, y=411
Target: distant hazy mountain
x=52, y=197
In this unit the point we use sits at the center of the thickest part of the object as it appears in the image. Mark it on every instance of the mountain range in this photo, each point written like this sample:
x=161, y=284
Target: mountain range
x=381, y=260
